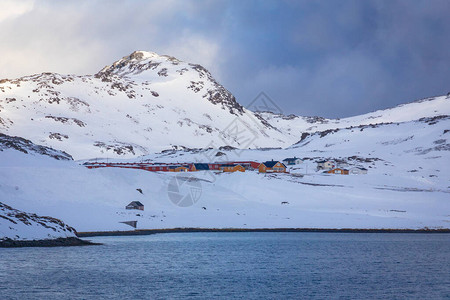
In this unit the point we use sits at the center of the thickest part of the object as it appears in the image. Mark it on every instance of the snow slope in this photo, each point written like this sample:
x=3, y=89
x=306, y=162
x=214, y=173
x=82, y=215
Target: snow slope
x=295, y=125
x=26, y=146
x=18, y=225
x=142, y=103
x=408, y=185
x=95, y=200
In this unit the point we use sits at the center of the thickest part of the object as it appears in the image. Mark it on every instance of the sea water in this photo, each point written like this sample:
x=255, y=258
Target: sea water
x=247, y=265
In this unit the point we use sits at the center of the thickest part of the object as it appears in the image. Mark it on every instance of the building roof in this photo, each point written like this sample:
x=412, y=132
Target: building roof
x=200, y=166
x=177, y=166
x=271, y=163
x=323, y=161
x=135, y=203
x=228, y=165
x=291, y=158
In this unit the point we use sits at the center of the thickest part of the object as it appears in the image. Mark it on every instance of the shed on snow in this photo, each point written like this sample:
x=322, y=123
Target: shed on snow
x=358, y=170
x=135, y=205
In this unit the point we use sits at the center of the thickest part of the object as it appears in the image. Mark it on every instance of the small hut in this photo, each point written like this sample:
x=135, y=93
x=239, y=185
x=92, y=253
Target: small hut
x=358, y=170
x=135, y=205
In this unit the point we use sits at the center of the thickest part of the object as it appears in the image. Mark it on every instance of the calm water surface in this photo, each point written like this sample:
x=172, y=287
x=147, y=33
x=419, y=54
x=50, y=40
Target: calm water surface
x=234, y=265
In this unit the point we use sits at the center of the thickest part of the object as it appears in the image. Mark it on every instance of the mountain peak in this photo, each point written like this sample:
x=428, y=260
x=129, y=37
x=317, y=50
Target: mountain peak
x=143, y=55
x=136, y=63
x=139, y=55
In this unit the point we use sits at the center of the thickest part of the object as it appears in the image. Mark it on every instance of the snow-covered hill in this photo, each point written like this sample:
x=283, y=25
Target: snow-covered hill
x=26, y=146
x=19, y=225
x=142, y=103
x=296, y=126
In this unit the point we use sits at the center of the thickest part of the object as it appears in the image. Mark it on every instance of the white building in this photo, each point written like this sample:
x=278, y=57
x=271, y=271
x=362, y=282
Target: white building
x=325, y=165
x=292, y=161
x=358, y=170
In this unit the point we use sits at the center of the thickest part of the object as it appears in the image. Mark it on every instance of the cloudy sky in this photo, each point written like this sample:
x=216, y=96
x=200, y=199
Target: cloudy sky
x=326, y=58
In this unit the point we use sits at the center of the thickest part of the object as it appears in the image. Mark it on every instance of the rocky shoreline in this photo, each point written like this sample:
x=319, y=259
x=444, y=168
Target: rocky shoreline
x=186, y=230
x=60, y=242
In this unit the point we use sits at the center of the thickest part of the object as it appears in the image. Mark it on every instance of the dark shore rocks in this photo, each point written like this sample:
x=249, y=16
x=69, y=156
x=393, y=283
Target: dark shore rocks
x=60, y=242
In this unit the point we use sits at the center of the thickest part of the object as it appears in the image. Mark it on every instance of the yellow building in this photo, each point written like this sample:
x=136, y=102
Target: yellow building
x=232, y=168
x=272, y=167
x=178, y=169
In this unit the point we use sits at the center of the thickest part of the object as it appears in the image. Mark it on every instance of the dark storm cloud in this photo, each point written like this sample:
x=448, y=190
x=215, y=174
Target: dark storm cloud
x=329, y=58
x=341, y=58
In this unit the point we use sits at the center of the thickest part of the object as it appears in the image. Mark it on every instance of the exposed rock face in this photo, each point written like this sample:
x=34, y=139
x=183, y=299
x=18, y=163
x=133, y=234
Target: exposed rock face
x=26, y=146
x=139, y=61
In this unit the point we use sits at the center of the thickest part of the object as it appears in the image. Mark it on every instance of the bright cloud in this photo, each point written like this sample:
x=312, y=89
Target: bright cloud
x=10, y=9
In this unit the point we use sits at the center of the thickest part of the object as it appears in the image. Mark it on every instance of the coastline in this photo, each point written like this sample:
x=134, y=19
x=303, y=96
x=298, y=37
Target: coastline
x=77, y=241
x=59, y=242
x=190, y=229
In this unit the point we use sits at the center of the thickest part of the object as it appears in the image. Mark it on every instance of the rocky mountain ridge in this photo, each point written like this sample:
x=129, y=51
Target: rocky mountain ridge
x=26, y=146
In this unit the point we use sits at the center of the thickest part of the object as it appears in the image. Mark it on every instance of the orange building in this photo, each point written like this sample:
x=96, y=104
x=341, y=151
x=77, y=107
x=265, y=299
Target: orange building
x=338, y=171
x=178, y=169
x=272, y=167
x=232, y=168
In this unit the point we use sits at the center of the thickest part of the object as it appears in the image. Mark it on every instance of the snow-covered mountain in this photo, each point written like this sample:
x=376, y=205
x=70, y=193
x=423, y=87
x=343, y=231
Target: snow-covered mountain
x=145, y=103
x=142, y=103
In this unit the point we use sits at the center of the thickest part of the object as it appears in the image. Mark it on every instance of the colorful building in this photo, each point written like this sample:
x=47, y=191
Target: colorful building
x=272, y=167
x=178, y=168
x=338, y=171
x=199, y=167
x=232, y=168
